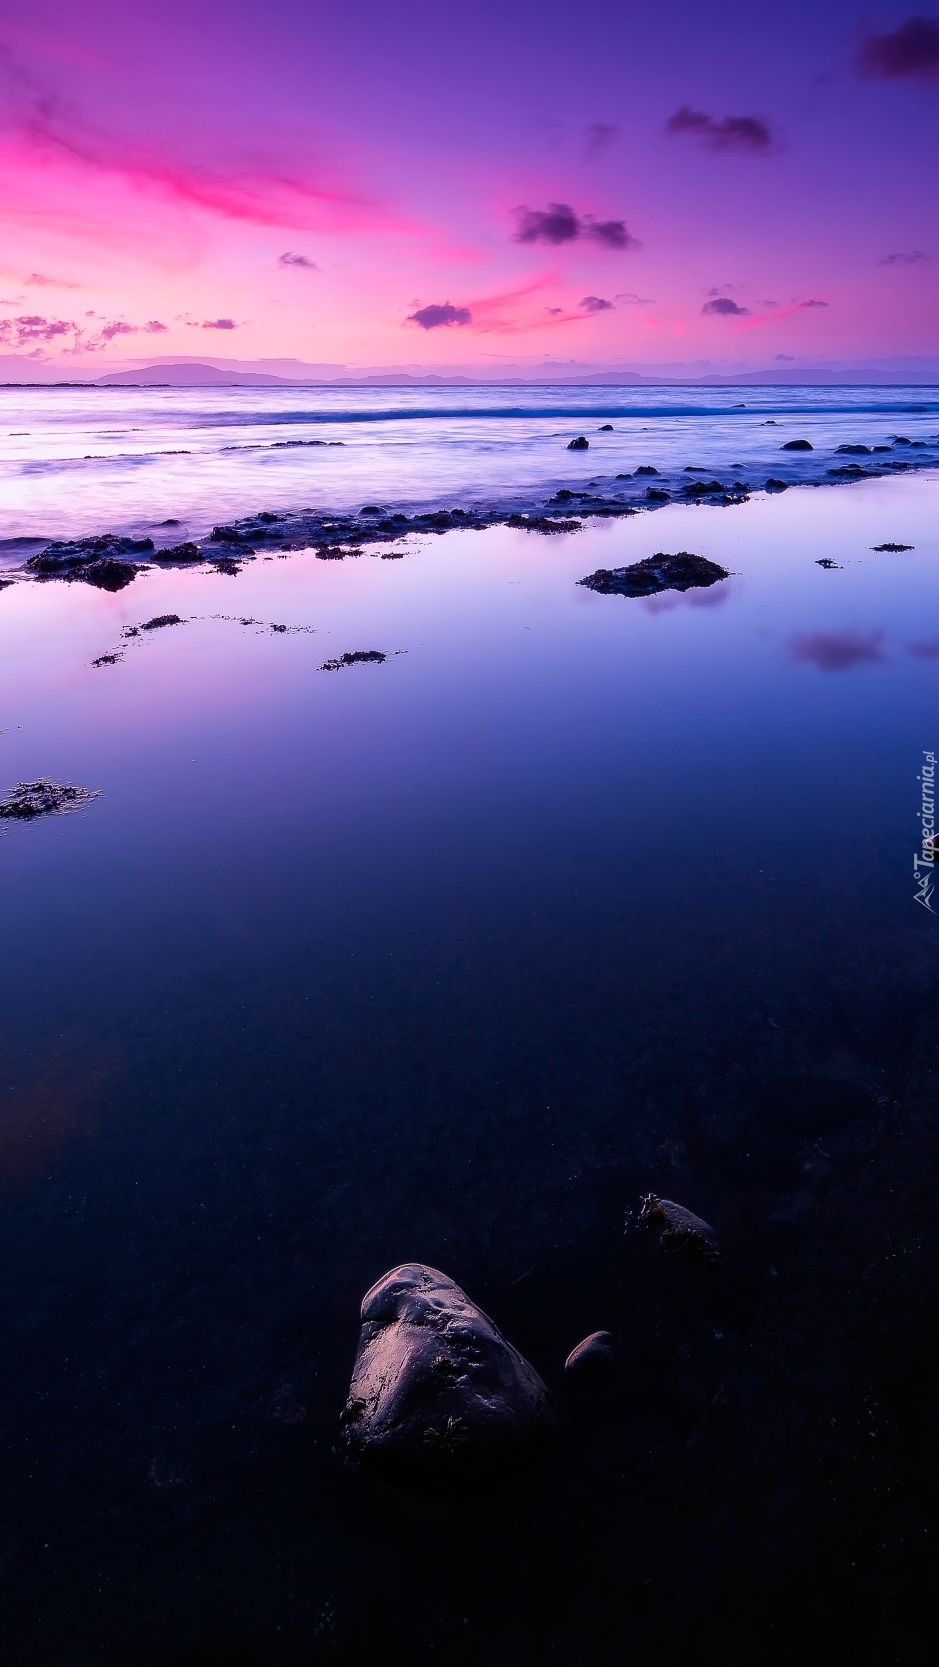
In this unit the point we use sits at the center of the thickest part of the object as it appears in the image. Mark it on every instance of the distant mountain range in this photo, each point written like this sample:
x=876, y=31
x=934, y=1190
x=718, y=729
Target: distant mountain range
x=200, y=376
x=260, y=373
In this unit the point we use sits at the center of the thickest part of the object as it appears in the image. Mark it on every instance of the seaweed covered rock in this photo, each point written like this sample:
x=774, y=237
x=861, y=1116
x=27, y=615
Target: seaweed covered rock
x=29, y=799
x=680, y=1233
x=69, y=555
x=438, y=1397
x=681, y=571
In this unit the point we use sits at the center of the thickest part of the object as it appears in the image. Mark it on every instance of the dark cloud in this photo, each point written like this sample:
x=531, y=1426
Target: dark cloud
x=599, y=137
x=219, y=324
x=612, y=233
x=596, y=304
x=629, y=298
x=559, y=224
x=723, y=307
x=117, y=327
x=838, y=651
x=908, y=53
x=154, y=328
x=555, y=224
x=743, y=133
x=290, y=259
x=440, y=314
x=802, y=305
x=914, y=257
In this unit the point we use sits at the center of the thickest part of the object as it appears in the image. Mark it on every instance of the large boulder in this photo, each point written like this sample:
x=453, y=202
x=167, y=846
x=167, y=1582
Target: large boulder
x=438, y=1397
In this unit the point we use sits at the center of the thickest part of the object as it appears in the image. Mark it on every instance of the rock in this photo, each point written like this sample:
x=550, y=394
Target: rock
x=892, y=549
x=65, y=555
x=646, y=469
x=592, y=1359
x=580, y=444
x=607, y=428
x=680, y=1232
x=160, y=621
x=797, y=445
x=438, y=1396
x=826, y=561
x=179, y=552
x=657, y=495
x=853, y=451
x=682, y=571
x=702, y=488
x=543, y=524
x=107, y=573
x=774, y=485
x=358, y=657
x=29, y=799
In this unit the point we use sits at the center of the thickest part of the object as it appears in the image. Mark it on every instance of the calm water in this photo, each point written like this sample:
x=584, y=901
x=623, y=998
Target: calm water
x=88, y=460
x=412, y=960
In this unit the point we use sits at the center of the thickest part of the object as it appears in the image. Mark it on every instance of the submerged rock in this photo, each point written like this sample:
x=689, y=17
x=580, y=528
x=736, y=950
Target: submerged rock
x=580, y=444
x=438, y=1396
x=29, y=799
x=680, y=1232
x=853, y=451
x=682, y=571
x=593, y=1359
x=797, y=445
x=774, y=485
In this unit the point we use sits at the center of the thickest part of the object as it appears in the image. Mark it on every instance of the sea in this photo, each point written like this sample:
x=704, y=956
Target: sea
x=452, y=955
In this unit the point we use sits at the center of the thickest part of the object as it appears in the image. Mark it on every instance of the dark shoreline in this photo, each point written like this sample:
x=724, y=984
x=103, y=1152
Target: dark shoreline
x=112, y=560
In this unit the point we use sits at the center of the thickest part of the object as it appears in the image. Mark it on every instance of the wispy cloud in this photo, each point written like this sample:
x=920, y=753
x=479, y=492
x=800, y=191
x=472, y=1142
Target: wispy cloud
x=739, y=133
x=219, y=324
x=39, y=281
x=439, y=315
x=595, y=304
x=32, y=331
x=290, y=259
x=559, y=224
x=912, y=257
x=599, y=136
x=910, y=53
x=629, y=298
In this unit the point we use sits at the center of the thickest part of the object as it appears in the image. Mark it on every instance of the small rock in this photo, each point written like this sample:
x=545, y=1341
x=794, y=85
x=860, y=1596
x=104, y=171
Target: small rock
x=682, y=571
x=161, y=620
x=29, y=799
x=797, y=445
x=606, y=428
x=680, y=1232
x=853, y=451
x=580, y=444
x=358, y=657
x=826, y=561
x=892, y=549
x=438, y=1396
x=774, y=485
x=646, y=469
x=592, y=1359
x=107, y=573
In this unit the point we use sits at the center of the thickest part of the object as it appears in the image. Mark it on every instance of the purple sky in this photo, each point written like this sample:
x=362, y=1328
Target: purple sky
x=380, y=183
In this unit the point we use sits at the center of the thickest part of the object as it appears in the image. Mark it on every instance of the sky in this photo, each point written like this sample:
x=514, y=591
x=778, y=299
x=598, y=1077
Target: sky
x=382, y=183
